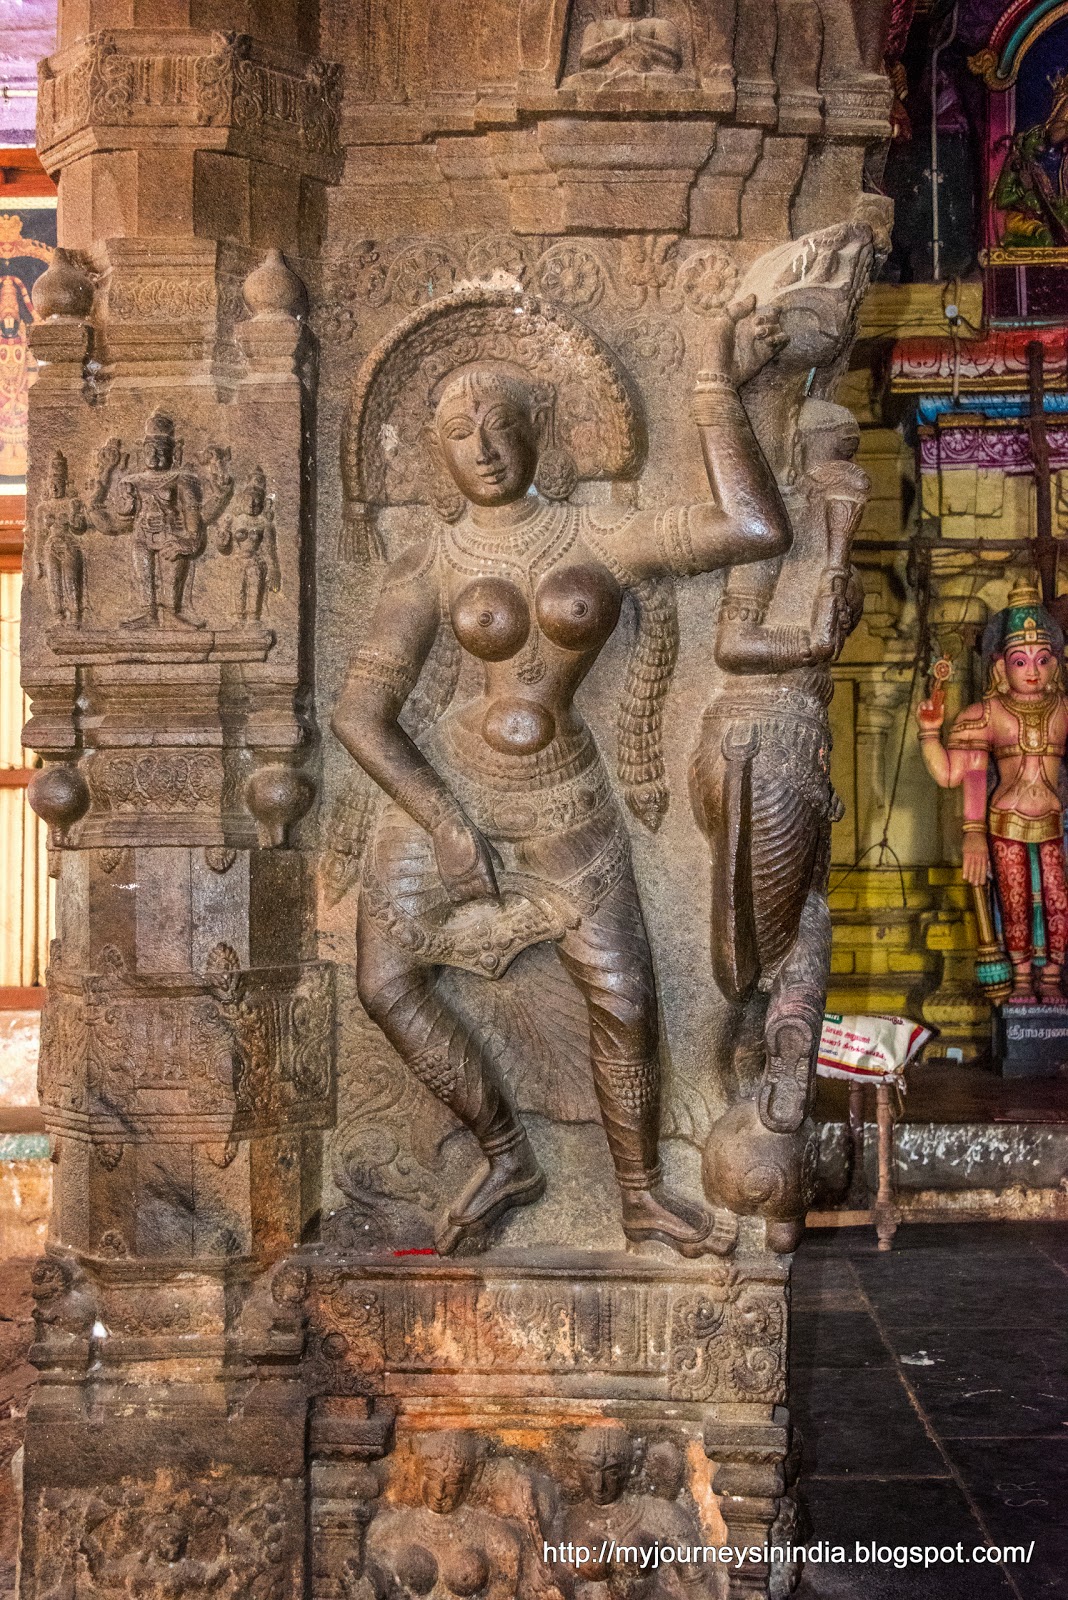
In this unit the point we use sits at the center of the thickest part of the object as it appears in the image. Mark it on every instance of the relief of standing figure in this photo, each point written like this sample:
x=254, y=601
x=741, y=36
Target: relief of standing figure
x=166, y=508
x=506, y=794
x=61, y=520
x=760, y=779
x=249, y=534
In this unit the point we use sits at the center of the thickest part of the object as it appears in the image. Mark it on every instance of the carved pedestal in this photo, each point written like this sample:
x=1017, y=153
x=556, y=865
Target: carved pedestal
x=440, y=538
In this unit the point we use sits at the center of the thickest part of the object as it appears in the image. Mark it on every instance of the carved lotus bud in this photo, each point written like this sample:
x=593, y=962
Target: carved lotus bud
x=273, y=289
x=63, y=290
x=759, y=1173
x=277, y=797
x=59, y=795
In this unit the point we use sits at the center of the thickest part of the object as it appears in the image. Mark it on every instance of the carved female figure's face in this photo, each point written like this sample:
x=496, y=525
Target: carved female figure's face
x=447, y=1476
x=488, y=442
x=604, y=1472
x=1030, y=669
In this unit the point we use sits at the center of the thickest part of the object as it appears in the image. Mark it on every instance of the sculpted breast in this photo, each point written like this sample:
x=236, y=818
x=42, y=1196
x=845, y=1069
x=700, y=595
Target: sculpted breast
x=578, y=607
x=491, y=619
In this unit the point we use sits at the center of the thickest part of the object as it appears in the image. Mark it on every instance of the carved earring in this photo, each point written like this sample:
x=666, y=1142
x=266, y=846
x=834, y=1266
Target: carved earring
x=556, y=473
x=444, y=495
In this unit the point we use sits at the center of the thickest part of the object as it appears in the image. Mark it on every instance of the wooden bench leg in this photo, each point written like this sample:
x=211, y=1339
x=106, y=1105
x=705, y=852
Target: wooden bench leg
x=885, y=1210
x=857, y=1193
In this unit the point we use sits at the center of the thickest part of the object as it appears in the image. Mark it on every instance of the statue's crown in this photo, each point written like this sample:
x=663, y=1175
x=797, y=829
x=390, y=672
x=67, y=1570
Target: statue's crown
x=159, y=426
x=1026, y=619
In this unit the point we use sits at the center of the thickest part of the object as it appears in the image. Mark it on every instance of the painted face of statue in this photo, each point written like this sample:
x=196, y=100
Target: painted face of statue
x=1030, y=669
x=488, y=441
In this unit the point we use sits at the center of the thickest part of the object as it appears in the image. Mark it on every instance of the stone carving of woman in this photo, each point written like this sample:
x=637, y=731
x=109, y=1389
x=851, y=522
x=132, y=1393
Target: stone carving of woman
x=502, y=828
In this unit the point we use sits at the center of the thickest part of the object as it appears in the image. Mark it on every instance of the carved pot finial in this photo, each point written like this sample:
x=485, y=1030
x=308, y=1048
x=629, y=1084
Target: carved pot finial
x=278, y=796
x=756, y=1172
x=59, y=795
x=273, y=289
x=63, y=289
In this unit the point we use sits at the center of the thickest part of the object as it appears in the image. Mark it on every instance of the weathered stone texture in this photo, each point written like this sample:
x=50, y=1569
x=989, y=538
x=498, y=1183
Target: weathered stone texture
x=441, y=538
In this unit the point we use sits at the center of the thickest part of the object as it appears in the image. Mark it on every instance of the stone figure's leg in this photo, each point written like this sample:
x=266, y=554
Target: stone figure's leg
x=57, y=589
x=175, y=574
x=1055, y=905
x=403, y=997
x=794, y=1021
x=609, y=960
x=1012, y=870
x=144, y=565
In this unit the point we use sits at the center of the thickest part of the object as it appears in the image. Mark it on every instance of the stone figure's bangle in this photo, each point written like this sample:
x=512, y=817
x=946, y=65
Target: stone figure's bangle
x=715, y=404
x=714, y=380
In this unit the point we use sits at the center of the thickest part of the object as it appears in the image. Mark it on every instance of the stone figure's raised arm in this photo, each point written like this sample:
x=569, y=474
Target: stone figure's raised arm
x=382, y=674
x=745, y=519
x=110, y=512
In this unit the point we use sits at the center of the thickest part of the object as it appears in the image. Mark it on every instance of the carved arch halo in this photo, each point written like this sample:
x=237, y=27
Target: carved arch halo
x=598, y=414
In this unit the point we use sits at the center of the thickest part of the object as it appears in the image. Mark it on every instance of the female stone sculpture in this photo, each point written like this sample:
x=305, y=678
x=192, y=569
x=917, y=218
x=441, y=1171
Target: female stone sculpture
x=503, y=829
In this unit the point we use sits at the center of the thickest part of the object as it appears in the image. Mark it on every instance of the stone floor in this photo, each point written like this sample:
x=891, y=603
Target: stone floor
x=930, y=1386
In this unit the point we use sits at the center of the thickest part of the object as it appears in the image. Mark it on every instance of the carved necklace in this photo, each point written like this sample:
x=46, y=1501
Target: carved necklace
x=525, y=551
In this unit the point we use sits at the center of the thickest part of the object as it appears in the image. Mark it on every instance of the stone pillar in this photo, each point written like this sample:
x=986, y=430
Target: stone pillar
x=187, y=1050
x=308, y=1323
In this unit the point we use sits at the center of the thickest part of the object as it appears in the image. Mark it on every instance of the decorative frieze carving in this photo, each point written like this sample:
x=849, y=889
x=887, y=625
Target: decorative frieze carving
x=713, y=1338
x=226, y=81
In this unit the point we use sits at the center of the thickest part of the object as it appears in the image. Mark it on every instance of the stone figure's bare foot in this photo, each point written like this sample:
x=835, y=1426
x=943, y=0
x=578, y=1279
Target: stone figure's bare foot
x=783, y=1098
x=513, y=1178
x=179, y=619
x=660, y=1214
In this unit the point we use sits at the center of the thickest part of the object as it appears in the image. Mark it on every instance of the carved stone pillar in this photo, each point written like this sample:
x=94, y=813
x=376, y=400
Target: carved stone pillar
x=430, y=1146
x=187, y=1052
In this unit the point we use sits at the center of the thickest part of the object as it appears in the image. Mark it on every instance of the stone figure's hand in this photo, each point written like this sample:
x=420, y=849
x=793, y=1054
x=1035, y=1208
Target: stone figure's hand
x=755, y=338
x=930, y=714
x=108, y=457
x=465, y=860
x=976, y=859
x=831, y=615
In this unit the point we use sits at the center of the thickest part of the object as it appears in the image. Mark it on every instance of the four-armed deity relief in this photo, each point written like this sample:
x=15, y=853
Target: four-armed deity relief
x=502, y=828
x=506, y=795
x=165, y=507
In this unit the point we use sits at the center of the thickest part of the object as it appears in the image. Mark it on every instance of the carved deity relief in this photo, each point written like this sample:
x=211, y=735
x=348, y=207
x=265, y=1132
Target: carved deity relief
x=60, y=522
x=502, y=830
x=165, y=507
x=628, y=41
x=617, y=1512
x=500, y=837
x=459, y=1526
x=248, y=534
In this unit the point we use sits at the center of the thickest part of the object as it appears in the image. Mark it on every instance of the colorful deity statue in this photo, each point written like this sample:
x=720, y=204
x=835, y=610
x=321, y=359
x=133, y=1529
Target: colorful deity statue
x=1013, y=816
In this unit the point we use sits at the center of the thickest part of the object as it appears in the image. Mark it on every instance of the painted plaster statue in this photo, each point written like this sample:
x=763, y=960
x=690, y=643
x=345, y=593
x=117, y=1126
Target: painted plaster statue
x=760, y=779
x=61, y=521
x=502, y=828
x=166, y=507
x=1013, y=814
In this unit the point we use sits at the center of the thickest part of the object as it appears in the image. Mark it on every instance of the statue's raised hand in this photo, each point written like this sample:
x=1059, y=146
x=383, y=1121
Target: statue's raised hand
x=743, y=339
x=930, y=714
x=465, y=860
